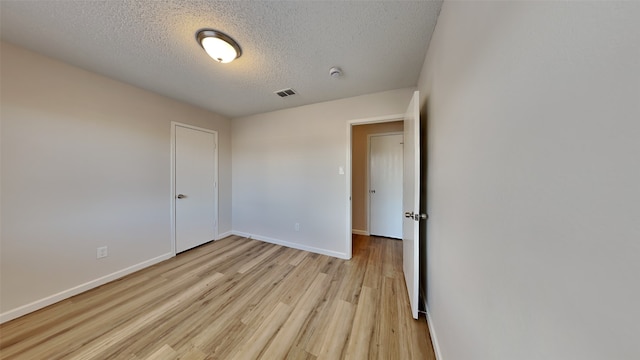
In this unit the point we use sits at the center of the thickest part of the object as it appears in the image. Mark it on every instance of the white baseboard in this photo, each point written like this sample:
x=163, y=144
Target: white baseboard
x=360, y=232
x=434, y=337
x=224, y=235
x=44, y=302
x=293, y=245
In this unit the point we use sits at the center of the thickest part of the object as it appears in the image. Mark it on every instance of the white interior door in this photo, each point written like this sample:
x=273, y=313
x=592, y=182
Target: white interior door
x=385, y=185
x=411, y=201
x=195, y=187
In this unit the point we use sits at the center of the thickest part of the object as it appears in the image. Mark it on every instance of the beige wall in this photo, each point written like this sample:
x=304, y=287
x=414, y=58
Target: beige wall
x=534, y=180
x=359, y=173
x=85, y=163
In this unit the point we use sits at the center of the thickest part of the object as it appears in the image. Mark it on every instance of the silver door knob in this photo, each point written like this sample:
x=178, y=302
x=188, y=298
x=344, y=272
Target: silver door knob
x=181, y=196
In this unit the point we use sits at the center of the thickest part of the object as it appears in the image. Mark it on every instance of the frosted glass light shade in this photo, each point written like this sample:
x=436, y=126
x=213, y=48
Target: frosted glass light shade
x=219, y=50
x=219, y=46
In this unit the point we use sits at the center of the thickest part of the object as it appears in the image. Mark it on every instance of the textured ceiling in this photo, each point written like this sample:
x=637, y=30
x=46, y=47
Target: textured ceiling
x=380, y=45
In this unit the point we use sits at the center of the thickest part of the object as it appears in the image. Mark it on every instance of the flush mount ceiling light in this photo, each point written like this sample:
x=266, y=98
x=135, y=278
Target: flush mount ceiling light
x=220, y=46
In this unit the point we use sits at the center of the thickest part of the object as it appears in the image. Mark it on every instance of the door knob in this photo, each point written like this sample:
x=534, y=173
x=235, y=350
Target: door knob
x=180, y=196
x=418, y=217
x=372, y=191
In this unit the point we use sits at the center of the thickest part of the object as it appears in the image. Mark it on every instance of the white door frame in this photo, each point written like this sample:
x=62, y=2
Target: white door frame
x=367, y=203
x=350, y=125
x=174, y=124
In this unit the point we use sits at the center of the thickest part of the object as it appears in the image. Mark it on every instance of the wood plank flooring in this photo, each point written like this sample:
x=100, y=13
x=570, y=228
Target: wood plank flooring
x=236, y=298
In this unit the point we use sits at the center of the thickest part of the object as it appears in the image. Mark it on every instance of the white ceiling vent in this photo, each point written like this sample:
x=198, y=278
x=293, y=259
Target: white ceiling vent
x=285, y=92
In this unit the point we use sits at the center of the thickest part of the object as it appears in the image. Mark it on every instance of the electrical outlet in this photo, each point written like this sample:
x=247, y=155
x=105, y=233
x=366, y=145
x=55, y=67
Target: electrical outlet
x=297, y=226
x=102, y=252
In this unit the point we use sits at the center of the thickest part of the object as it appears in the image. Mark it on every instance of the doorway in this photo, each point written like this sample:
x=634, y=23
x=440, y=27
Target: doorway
x=195, y=186
x=411, y=193
x=360, y=174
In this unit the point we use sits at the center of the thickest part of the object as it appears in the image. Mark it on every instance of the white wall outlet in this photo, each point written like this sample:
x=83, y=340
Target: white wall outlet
x=297, y=226
x=102, y=252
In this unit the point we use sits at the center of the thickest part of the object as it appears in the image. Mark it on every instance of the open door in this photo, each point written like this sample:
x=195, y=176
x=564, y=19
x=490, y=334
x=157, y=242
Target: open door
x=411, y=201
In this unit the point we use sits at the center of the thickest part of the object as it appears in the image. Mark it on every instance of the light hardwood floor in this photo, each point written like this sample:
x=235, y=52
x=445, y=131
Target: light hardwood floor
x=236, y=298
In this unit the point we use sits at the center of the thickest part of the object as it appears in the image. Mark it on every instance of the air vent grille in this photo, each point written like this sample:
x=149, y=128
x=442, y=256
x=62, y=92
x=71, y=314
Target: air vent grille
x=285, y=92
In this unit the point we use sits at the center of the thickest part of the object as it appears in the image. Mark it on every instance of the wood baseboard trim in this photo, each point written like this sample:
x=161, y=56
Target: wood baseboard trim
x=65, y=294
x=293, y=245
x=434, y=337
x=360, y=232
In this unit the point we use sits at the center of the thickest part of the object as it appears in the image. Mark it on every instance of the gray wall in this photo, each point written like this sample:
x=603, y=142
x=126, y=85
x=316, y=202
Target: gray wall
x=85, y=163
x=533, y=112
x=285, y=171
